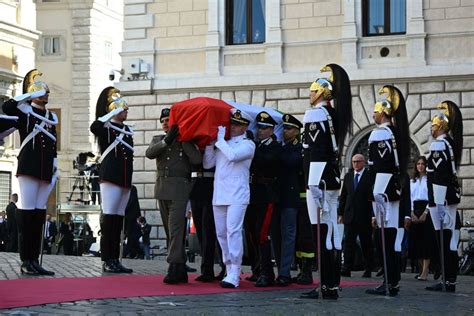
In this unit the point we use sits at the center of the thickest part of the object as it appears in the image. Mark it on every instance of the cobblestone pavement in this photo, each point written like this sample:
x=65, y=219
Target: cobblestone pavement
x=413, y=299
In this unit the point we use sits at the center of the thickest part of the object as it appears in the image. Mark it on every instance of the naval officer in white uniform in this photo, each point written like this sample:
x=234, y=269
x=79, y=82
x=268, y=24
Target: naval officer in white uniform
x=232, y=159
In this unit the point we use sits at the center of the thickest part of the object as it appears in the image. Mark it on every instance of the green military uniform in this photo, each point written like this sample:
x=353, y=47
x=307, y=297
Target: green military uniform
x=172, y=189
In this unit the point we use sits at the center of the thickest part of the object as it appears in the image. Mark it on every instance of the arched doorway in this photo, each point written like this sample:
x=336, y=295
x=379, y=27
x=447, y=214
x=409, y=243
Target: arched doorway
x=360, y=144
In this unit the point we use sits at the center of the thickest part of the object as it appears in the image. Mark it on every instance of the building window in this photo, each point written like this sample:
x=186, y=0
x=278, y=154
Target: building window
x=384, y=17
x=51, y=46
x=108, y=51
x=245, y=22
x=5, y=189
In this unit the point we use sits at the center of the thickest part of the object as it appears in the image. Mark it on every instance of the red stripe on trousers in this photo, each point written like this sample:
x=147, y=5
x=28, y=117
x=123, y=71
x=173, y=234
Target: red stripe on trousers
x=266, y=224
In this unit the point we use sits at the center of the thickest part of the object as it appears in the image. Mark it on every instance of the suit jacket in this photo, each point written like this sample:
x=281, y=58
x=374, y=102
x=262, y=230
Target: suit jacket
x=173, y=163
x=53, y=230
x=355, y=205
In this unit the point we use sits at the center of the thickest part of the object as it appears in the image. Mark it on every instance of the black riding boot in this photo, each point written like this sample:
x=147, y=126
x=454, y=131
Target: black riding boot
x=38, y=231
x=305, y=276
x=25, y=223
x=106, y=227
x=116, y=244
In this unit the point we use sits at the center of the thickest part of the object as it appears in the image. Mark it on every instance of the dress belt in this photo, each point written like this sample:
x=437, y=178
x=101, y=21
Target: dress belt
x=205, y=174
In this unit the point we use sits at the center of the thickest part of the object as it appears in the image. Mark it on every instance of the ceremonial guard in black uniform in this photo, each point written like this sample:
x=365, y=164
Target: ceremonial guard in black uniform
x=444, y=193
x=203, y=217
x=388, y=159
x=325, y=128
x=37, y=166
x=284, y=221
x=115, y=141
x=264, y=173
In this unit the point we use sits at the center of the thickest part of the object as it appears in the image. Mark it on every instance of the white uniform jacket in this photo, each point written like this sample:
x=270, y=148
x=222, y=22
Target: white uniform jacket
x=232, y=160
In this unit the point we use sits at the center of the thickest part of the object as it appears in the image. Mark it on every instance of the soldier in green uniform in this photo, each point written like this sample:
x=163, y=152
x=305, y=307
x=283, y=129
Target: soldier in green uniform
x=172, y=189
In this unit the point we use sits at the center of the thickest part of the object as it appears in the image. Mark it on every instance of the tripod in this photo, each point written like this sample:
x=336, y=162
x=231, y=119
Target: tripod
x=82, y=183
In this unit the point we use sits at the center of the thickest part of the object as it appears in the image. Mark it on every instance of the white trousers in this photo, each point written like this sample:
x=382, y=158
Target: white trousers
x=229, y=220
x=114, y=198
x=446, y=214
x=392, y=210
x=34, y=193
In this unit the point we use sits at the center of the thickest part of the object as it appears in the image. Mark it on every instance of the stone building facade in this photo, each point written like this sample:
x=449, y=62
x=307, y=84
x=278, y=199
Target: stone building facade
x=183, y=45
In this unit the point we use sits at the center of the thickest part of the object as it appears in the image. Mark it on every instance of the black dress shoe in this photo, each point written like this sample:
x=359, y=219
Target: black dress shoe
x=40, y=269
x=346, y=273
x=330, y=294
x=450, y=287
x=265, y=281
x=252, y=278
x=220, y=276
x=172, y=276
x=121, y=268
x=227, y=285
x=110, y=267
x=379, y=290
x=28, y=268
x=205, y=278
x=283, y=281
x=367, y=274
x=313, y=294
x=437, y=275
x=189, y=269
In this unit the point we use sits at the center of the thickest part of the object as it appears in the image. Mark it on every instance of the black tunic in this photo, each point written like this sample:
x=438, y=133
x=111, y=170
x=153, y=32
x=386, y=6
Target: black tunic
x=440, y=172
x=37, y=156
x=264, y=172
x=117, y=166
x=292, y=178
x=382, y=160
x=319, y=148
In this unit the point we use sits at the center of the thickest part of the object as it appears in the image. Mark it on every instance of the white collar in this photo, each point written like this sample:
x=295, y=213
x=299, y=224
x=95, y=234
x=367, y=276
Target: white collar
x=319, y=105
x=360, y=172
x=441, y=137
x=234, y=138
x=39, y=107
x=386, y=124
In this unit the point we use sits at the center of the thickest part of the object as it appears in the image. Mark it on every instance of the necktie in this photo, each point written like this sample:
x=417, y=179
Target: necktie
x=356, y=180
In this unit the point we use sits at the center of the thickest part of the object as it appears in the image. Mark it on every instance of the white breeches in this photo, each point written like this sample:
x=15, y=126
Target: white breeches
x=391, y=212
x=114, y=198
x=449, y=221
x=328, y=217
x=34, y=193
x=229, y=220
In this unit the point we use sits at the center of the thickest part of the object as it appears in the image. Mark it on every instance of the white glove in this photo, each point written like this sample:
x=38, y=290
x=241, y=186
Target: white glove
x=220, y=133
x=29, y=96
x=107, y=117
x=38, y=94
x=317, y=194
x=379, y=199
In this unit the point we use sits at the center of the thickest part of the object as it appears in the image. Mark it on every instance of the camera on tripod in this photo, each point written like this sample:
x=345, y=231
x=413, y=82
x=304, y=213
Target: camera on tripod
x=80, y=163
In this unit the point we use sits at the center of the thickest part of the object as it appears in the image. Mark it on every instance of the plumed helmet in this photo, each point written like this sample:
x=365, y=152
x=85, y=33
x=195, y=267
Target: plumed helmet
x=109, y=99
x=323, y=86
x=30, y=84
x=390, y=104
x=442, y=119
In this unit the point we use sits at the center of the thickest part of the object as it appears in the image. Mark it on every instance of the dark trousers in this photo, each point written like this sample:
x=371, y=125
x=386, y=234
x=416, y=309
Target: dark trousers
x=330, y=260
x=305, y=246
x=450, y=257
x=174, y=222
x=203, y=217
x=393, y=257
x=261, y=238
x=283, y=232
x=364, y=231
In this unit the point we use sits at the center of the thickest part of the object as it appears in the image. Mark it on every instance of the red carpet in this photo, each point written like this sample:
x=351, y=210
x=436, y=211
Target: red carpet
x=28, y=292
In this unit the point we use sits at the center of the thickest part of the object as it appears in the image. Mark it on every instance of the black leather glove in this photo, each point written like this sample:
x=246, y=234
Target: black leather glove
x=171, y=135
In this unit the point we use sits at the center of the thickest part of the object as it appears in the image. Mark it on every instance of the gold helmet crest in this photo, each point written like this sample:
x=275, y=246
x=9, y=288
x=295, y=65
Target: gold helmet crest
x=115, y=100
x=390, y=104
x=30, y=84
x=442, y=119
x=323, y=86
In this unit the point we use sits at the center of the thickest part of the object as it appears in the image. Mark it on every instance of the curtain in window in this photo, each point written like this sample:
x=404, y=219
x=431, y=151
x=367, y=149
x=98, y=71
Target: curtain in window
x=239, y=35
x=397, y=16
x=376, y=17
x=258, y=21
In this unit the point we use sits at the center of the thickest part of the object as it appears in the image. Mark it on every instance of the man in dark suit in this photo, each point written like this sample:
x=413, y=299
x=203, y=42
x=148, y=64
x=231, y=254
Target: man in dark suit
x=355, y=212
x=11, y=224
x=50, y=232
